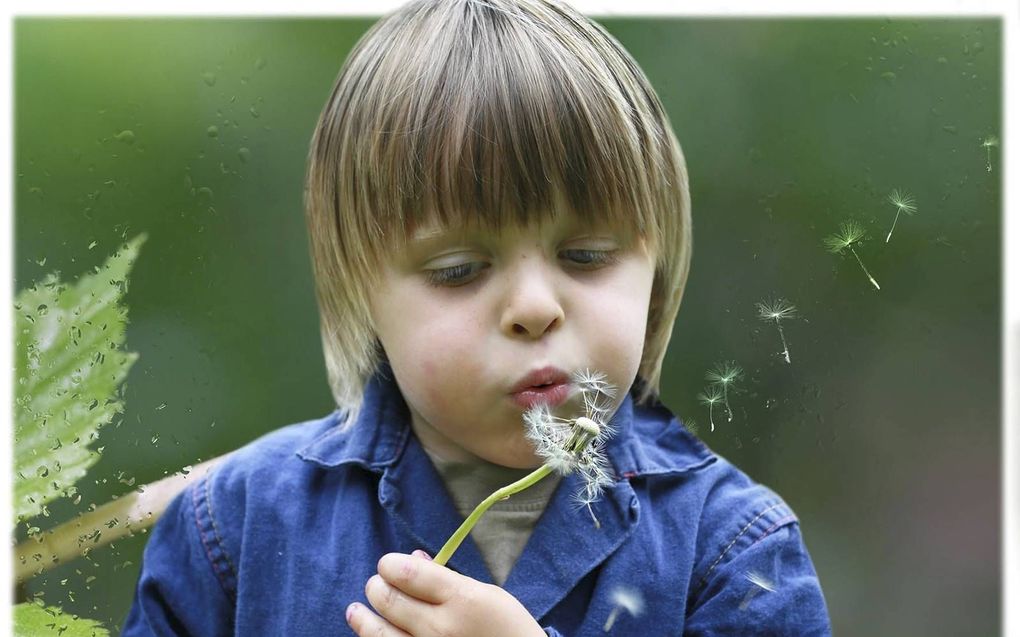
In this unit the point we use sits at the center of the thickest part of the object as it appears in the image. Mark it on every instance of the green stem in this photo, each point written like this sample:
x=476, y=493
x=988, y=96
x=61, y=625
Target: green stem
x=458, y=536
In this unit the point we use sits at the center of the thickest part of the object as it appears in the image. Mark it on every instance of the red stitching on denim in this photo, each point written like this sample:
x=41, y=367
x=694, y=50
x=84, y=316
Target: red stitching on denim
x=704, y=579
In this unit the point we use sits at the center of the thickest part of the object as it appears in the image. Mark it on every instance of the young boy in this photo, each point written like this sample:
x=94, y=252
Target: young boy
x=495, y=200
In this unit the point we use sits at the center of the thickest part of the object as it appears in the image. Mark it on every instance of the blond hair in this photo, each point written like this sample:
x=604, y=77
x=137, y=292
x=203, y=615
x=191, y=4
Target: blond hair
x=491, y=112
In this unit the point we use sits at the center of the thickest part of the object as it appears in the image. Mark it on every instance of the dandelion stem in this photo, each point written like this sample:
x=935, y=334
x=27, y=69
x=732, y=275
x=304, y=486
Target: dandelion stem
x=988, y=149
x=786, y=348
x=747, y=598
x=711, y=420
x=500, y=494
x=889, y=236
x=726, y=399
x=611, y=620
x=870, y=278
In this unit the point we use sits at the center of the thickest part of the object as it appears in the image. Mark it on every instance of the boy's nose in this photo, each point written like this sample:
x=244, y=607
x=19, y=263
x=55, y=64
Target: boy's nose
x=532, y=305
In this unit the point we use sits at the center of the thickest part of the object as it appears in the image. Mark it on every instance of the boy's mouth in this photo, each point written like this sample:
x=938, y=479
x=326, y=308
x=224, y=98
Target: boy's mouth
x=552, y=394
x=549, y=385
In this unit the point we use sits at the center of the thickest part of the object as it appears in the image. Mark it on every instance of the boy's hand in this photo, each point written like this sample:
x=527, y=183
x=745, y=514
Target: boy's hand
x=418, y=597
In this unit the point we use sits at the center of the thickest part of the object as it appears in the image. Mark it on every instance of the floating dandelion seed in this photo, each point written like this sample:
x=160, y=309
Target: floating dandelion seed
x=778, y=310
x=850, y=232
x=759, y=584
x=988, y=142
x=624, y=598
x=566, y=445
x=904, y=203
x=710, y=397
x=723, y=375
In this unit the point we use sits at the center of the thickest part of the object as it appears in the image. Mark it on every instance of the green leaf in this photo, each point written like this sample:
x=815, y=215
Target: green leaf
x=35, y=620
x=69, y=366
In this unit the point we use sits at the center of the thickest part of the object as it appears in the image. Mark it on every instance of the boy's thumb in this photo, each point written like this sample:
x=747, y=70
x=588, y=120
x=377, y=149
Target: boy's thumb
x=422, y=554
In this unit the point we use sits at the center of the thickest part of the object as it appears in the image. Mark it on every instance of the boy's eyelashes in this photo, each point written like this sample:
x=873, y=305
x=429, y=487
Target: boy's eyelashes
x=464, y=273
x=455, y=275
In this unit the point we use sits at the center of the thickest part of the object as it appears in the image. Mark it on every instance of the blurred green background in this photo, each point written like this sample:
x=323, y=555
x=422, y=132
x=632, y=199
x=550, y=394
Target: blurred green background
x=883, y=432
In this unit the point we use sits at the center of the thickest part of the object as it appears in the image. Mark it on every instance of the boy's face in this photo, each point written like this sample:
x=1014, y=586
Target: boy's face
x=464, y=314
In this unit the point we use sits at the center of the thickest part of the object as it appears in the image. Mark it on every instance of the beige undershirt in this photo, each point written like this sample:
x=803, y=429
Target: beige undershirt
x=505, y=528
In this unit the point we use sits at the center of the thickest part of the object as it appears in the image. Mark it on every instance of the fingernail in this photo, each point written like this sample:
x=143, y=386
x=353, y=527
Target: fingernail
x=350, y=611
x=422, y=554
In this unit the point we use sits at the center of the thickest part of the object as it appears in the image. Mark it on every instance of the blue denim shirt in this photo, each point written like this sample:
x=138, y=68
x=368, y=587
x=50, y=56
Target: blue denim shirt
x=283, y=535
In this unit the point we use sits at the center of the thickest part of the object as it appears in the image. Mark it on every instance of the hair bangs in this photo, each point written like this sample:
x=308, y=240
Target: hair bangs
x=493, y=121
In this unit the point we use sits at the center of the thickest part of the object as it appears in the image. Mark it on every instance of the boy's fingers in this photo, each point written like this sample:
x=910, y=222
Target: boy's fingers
x=367, y=624
x=396, y=606
x=419, y=578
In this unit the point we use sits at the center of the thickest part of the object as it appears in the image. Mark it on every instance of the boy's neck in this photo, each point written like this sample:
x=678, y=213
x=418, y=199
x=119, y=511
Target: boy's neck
x=439, y=445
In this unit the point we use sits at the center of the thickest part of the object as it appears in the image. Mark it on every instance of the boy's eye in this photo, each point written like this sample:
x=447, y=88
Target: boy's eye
x=455, y=275
x=590, y=258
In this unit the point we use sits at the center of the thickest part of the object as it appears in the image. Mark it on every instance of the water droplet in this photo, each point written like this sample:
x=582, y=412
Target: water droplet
x=254, y=112
x=161, y=407
x=155, y=439
x=41, y=263
x=209, y=78
x=244, y=155
x=889, y=76
x=212, y=131
x=125, y=136
x=43, y=310
x=205, y=190
x=93, y=244
x=43, y=471
x=260, y=64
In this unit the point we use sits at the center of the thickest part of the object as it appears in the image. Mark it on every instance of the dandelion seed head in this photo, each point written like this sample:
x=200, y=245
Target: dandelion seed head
x=760, y=581
x=578, y=444
x=629, y=598
x=776, y=310
x=990, y=141
x=850, y=232
x=904, y=202
x=725, y=373
x=588, y=425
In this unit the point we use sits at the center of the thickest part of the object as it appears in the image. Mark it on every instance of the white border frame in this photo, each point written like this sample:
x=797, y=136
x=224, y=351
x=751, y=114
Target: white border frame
x=732, y=8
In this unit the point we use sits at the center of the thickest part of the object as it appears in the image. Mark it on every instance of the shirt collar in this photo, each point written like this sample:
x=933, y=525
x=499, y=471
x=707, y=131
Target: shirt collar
x=649, y=440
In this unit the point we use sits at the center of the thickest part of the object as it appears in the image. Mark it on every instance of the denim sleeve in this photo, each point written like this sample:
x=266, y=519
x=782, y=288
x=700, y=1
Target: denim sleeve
x=763, y=583
x=187, y=585
x=552, y=632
